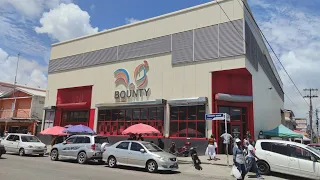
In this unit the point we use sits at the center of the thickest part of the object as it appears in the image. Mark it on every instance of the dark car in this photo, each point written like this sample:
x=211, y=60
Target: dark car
x=2, y=150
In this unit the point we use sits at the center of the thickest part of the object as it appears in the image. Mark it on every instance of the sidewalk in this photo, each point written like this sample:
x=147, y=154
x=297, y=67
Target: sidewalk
x=222, y=160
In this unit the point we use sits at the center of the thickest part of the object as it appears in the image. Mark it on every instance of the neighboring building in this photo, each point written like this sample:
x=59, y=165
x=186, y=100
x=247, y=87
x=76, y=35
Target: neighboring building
x=301, y=124
x=288, y=119
x=168, y=72
x=21, y=108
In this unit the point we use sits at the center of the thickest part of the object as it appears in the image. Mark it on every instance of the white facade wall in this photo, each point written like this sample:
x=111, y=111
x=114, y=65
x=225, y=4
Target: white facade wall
x=37, y=107
x=267, y=104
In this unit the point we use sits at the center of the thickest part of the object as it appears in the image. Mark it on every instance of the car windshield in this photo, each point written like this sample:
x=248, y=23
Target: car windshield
x=101, y=140
x=152, y=147
x=316, y=151
x=29, y=139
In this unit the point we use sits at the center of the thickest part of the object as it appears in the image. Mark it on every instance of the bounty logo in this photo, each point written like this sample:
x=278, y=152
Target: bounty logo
x=136, y=87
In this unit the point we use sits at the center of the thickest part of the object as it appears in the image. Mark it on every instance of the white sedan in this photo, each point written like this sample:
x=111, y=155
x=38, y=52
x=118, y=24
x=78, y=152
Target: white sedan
x=24, y=144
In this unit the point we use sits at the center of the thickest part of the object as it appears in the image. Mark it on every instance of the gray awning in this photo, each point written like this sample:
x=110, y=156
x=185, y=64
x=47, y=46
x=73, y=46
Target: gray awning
x=157, y=102
x=188, y=101
x=233, y=98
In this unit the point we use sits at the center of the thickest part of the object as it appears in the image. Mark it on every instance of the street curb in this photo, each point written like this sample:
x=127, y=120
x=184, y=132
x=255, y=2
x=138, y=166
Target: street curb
x=190, y=162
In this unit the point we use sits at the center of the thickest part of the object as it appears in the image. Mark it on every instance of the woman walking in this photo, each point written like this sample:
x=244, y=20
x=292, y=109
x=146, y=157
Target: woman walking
x=211, y=149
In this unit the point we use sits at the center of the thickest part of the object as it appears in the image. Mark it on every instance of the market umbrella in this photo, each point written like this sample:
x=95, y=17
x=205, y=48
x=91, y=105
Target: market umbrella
x=55, y=131
x=79, y=129
x=190, y=131
x=140, y=129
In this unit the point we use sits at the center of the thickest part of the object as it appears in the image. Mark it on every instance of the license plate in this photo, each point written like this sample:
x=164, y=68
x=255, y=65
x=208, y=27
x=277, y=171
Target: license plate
x=175, y=164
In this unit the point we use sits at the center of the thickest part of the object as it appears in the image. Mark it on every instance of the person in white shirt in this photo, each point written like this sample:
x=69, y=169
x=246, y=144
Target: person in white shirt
x=251, y=157
x=226, y=140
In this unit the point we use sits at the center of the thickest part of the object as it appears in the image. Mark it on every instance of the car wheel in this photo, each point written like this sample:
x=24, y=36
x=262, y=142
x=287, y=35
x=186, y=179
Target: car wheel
x=152, y=166
x=0, y=155
x=112, y=162
x=82, y=158
x=41, y=155
x=21, y=152
x=54, y=155
x=263, y=167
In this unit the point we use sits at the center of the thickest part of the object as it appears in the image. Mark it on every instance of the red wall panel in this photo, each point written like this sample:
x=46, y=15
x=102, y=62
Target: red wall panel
x=91, y=118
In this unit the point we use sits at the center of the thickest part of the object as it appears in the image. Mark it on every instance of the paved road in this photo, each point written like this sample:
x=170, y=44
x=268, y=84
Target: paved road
x=14, y=167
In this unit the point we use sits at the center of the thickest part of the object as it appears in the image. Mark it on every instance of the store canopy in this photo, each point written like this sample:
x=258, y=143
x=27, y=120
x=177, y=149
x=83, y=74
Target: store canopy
x=301, y=132
x=282, y=131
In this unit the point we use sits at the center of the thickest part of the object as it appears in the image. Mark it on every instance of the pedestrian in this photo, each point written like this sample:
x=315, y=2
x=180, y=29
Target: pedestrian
x=134, y=137
x=226, y=141
x=160, y=143
x=251, y=157
x=211, y=149
x=238, y=158
x=140, y=138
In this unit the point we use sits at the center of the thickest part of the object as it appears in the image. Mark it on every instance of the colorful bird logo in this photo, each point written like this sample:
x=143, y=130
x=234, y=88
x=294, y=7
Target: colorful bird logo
x=122, y=76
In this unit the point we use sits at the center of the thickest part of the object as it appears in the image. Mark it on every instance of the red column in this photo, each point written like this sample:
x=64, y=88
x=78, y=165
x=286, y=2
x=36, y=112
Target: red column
x=57, y=118
x=91, y=118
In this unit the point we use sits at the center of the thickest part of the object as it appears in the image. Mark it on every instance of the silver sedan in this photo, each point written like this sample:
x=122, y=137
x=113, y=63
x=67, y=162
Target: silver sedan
x=139, y=154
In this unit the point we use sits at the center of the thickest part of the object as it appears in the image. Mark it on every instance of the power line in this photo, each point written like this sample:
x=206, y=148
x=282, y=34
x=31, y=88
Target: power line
x=264, y=37
x=291, y=100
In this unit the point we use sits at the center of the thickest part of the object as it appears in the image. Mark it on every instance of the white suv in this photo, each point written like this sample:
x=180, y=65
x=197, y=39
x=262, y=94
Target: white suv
x=288, y=158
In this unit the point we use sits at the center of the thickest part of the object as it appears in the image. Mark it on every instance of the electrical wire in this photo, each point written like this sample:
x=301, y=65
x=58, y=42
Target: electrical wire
x=264, y=37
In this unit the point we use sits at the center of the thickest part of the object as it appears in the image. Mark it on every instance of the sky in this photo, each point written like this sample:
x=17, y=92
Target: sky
x=29, y=27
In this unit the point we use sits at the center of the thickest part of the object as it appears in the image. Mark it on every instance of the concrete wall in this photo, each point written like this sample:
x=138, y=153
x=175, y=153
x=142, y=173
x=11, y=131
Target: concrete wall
x=37, y=107
x=267, y=104
x=187, y=19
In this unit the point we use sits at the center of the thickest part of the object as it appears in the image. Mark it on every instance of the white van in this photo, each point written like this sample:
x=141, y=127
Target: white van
x=288, y=158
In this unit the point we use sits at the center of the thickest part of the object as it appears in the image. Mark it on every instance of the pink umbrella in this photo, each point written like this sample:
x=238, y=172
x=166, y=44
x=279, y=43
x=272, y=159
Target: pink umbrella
x=55, y=130
x=140, y=129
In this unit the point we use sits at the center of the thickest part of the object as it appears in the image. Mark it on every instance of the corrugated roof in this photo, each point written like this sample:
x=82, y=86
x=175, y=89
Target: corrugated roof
x=31, y=92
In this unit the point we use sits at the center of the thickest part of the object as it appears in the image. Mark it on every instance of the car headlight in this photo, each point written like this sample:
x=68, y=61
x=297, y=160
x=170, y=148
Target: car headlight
x=30, y=146
x=162, y=158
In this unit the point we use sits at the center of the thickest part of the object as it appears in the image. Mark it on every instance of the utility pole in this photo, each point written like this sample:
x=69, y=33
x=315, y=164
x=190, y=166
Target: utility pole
x=310, y=96
x=14, y=87
x=317, y=123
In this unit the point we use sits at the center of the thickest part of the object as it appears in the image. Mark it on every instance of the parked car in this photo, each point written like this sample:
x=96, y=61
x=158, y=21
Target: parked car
x=24, y=144
x=139, y=154
x=2, y=150
x=288, y=158
x=80, y=147
x=315, y=146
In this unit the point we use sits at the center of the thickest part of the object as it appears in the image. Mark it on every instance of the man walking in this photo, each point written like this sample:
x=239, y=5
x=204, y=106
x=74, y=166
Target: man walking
x=251, y=157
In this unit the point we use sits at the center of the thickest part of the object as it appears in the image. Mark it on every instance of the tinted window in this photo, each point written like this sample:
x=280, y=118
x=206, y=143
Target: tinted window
x=266, y=146
x=300, y=153
x=16, y=138
x=70, y=140
x=123, y=145
x=135, y=147
x=80, y=140
x=152, y=147
x=101, y=140
x=280, y=148
x=10, y=138
x=29, y=139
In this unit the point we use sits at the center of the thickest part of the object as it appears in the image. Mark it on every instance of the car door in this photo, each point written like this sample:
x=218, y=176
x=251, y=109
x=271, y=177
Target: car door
x=278, y=157
x=294, y=165
x=135, y=156
x=66, y=147
x=16, y=143
x=7, y=143
x=121, y=152
x=305, y=166
x=76, y=145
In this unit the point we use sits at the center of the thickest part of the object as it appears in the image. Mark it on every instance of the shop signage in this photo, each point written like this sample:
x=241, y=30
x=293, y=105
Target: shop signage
x=135, y=88
x=217, y=117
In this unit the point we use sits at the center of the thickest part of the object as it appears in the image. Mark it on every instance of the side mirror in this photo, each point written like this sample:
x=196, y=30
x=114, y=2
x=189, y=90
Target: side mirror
x=313, y=159
x=64, y=142
x=142, y=150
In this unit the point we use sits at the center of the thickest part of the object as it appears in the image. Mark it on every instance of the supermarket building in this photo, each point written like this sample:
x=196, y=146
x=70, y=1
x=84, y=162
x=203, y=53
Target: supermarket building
x=168, y=72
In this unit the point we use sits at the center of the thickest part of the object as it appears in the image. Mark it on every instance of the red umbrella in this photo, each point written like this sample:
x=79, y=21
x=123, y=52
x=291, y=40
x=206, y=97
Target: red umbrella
x=55, y=130
x=140, y=129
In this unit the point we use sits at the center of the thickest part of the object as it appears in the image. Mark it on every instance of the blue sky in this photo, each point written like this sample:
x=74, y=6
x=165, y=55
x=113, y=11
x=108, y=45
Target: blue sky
x=29, y=27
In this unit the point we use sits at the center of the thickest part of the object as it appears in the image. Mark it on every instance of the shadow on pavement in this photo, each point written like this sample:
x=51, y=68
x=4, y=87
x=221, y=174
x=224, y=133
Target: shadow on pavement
x=143, y=170
x=76, y=162
x=27, y=155
x=2, y=158
x=278, y=175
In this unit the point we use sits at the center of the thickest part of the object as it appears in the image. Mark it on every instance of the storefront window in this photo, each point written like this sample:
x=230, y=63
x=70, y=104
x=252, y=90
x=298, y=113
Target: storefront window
x=187, y=121
x=124, y=118
x=75, y=116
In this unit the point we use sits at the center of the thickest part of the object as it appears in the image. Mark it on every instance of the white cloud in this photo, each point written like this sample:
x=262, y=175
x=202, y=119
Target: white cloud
x=29, y=72
x=293, y=33
x=131, y=20
x=65, y=22
x=31, y=8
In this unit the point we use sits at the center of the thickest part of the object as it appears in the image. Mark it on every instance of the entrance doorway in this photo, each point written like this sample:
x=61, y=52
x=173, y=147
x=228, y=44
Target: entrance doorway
x=237, y=126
